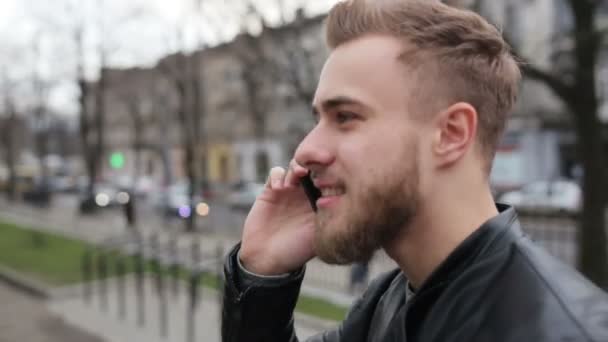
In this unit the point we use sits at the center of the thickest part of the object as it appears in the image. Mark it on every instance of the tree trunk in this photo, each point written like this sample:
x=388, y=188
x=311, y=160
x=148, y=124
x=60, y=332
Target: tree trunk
x=100, y=113
x=592, y=225
x=42, y=143
x=9, y=144
x=85, y=131
x=184, y=114
x=593, y=254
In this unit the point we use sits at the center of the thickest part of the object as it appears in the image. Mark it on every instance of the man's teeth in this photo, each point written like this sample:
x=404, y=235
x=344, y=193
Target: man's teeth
x=331, y=192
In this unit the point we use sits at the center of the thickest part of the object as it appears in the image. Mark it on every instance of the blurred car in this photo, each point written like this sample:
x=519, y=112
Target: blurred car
x=559, y=195
x=64, y=184
x=175, y=201
x=105, y=195
x=141, y=186
x=244, y=195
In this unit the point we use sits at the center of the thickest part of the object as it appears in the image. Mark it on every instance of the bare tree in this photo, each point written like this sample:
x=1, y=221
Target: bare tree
x=288, y=61
x=179, y=71
x=8, y=125
x=255, y=66
x=92, y=95
x=185, y=73
x=575, y=84
x=42, y=120
x=88, y=127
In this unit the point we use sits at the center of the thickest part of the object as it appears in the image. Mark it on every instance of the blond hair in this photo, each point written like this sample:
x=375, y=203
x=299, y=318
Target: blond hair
x=454, y=56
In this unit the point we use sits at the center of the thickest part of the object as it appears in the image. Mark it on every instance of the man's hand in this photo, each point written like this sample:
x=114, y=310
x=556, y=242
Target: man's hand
x=279, y=229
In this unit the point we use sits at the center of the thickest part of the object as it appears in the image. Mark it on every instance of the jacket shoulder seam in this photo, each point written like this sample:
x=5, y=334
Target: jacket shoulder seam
x=556, y=295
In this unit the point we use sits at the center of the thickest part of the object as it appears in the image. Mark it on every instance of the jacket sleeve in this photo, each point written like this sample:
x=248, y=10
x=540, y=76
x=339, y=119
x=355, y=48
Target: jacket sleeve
x=262, y=310
x=258, y=311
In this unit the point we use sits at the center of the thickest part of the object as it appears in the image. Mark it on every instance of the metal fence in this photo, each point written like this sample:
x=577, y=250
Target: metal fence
x=171, y=268
x=555, y=232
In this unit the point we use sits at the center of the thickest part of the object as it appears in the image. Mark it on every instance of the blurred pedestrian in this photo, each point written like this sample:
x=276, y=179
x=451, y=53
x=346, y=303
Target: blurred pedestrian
x=359, y=273
x=129, y=211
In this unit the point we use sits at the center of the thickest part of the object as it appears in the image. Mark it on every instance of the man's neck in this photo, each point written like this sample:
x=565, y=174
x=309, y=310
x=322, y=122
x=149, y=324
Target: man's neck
x=436, y=231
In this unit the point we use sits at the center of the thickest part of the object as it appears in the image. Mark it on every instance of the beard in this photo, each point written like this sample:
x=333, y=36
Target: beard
x=375, y=215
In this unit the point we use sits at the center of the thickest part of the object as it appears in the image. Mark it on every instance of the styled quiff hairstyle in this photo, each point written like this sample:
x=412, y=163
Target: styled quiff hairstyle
x=450, y=55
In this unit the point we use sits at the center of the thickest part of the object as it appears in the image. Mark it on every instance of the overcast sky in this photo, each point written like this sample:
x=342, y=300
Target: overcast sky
x=137, y=32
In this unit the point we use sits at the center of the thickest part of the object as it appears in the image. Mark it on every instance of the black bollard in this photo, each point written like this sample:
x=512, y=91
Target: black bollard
x=87, y=274
x=139, y=280
x=219, y=253
x=160, y=285
x=195, y=278
x=102, y=266
x=120, y=282
x=195, y=250
x=174, y=269
x=163, y=307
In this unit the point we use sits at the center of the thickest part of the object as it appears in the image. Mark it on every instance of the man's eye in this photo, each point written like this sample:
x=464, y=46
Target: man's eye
x=344, y=117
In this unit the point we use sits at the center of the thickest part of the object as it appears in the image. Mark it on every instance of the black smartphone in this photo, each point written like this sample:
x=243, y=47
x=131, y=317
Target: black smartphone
x=311, y=191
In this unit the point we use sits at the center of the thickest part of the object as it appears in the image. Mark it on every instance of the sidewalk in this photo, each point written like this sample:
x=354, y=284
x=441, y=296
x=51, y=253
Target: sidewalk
x=109, y=325
x=26, y=318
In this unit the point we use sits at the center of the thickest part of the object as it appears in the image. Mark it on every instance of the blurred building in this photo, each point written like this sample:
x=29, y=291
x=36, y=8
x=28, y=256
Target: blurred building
x=257, y=92
x=255, y=95
x=539, y=143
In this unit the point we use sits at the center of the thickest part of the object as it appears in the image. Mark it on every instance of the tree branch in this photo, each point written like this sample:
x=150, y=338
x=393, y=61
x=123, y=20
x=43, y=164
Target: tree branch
x=560, y=88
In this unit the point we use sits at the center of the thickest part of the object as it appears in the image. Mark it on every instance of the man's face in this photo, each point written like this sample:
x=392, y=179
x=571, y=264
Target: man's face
x=364, y=151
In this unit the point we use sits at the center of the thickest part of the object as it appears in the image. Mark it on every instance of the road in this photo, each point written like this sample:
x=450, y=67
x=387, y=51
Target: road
x=221, y=216
x=24, y=318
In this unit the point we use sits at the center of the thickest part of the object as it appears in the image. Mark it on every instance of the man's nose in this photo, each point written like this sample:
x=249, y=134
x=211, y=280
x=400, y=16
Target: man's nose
x=316, y=150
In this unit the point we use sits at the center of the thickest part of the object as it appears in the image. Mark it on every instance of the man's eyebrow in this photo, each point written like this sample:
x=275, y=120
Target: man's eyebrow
x=335, y=102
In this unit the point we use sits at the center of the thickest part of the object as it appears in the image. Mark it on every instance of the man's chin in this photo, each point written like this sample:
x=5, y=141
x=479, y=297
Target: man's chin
x=331, y=246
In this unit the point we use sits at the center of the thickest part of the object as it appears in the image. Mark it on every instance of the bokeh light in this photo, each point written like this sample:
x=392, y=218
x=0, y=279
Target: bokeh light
x=184, y=211
x=102, y=200
x=123, y=197
x=202, y=209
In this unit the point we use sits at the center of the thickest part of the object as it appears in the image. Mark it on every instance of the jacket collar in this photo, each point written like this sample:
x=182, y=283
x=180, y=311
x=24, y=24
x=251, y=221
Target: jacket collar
x=496, y=231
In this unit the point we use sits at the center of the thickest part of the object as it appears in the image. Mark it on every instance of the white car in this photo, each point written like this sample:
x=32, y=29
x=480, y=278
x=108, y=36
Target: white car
x=244, y=196
x=559, y=195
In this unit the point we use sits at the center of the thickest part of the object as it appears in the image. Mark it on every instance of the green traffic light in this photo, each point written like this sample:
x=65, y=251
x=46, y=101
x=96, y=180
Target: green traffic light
x=117, y=160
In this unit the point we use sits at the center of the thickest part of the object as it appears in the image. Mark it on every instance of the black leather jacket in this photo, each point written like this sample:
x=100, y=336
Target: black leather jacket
x=496, y=286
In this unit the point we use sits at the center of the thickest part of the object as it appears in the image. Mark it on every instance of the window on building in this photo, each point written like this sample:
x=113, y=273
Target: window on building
x=262, y=165
x=224, y=171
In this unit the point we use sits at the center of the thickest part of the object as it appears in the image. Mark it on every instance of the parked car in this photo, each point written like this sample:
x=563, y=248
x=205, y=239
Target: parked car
x=244, y=195
x=64, y=184
x=141, y=186
x=559, y=195
x=106, y=195
x=174, y=200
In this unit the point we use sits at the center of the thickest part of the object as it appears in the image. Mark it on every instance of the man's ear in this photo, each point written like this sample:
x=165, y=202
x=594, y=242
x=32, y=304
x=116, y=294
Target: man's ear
x=455, y=131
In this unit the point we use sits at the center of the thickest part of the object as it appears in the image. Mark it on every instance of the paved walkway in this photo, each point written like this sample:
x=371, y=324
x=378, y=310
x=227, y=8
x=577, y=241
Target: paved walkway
x=107, y=321
x=27, y=319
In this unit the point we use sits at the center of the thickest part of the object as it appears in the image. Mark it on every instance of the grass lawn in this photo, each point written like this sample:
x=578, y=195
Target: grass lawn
x=52, y=259
x=56, y=260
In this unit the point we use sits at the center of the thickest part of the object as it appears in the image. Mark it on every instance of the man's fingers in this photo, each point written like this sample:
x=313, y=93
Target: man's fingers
x=294, y=174
x=275, y=178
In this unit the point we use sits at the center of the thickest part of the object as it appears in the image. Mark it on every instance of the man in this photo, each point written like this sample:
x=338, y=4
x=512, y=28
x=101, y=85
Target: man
x=410, y=106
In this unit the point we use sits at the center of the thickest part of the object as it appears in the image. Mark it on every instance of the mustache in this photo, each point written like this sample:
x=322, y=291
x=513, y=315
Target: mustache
x=327, y=178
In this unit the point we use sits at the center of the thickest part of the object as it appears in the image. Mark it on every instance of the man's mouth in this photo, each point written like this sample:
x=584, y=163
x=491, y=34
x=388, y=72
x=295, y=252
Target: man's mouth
x=332, y=191
x=330, y=196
